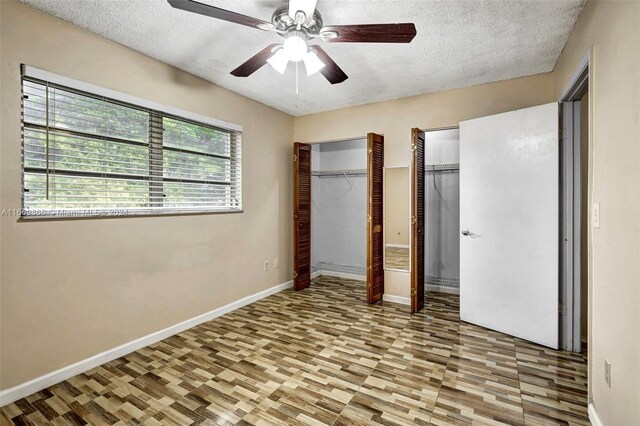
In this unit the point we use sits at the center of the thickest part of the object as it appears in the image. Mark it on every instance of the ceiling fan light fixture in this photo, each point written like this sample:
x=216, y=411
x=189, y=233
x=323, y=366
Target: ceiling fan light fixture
x=279, y=61
x=295, y=48
x=312, y=63
x=298, y=21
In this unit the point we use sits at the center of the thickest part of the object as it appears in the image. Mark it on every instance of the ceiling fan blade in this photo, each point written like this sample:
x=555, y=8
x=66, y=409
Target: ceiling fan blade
x=256, y=62
x=331, y=70
x=225, y=15
x=369, y=33
x=307, y=6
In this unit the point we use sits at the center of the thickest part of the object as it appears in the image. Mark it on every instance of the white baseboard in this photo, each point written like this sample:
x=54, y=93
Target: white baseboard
x=25, y=389
x=337, y=274
x=398, y=245
x=593, y=416
x=396, y=299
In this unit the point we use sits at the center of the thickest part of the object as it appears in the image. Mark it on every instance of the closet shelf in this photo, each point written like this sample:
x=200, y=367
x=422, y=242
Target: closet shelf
x=340, y=173
x=442, y=167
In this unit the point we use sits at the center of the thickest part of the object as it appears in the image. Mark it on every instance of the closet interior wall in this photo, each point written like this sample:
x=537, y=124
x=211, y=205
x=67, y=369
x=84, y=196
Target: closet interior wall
x=338, y=207
x=442, y=207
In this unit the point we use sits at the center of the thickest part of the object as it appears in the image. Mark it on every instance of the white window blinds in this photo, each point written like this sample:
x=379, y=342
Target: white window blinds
x=88, y=155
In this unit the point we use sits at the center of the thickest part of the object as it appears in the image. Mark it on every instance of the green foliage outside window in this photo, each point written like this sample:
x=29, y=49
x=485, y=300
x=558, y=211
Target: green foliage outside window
x=94, y=153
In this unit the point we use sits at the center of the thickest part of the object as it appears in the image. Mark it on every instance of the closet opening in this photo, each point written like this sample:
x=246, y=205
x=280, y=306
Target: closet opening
x=442, y=211
x=339, y=209
x=435, y=217
x=338, y=213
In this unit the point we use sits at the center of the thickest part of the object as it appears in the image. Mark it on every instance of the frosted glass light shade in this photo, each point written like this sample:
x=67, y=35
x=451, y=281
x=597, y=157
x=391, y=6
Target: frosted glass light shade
x=279, y=61
x=312, y=63
x=295, y=48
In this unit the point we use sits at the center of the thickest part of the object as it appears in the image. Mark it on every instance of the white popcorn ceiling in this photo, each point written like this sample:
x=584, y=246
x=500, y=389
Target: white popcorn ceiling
x=459, y=43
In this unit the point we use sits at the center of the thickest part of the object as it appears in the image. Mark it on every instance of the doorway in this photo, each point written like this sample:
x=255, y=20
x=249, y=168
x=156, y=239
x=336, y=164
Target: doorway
x=339, y=209
x=574, y=225
x=442, y=211
x=338, y=212
x=435, y=213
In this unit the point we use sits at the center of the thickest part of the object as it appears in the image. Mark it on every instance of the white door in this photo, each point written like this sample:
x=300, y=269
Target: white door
x=509, y=211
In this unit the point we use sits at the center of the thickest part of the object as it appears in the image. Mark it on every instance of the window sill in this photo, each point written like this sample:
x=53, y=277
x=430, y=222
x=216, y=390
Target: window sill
x=46, y=218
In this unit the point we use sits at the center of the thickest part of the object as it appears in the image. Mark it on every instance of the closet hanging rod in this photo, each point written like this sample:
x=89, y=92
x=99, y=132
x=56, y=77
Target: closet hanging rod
x=340, y=173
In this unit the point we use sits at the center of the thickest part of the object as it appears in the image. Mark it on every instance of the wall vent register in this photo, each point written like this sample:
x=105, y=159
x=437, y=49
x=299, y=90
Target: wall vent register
x=89, y=155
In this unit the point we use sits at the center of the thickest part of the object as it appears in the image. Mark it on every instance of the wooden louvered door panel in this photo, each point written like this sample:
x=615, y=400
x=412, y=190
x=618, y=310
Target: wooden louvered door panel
x=301, y=216
x=417, y=219
x=375, y=208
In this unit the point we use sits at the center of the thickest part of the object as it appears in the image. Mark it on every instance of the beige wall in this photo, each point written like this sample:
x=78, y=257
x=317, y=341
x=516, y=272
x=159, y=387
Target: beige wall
x=612, y=30
x=74, y=288
x=394, y=119
x=396, y=191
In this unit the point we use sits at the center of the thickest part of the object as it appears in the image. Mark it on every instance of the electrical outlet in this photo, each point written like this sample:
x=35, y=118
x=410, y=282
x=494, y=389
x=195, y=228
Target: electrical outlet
x=596, y=215
x=266, y=265
x=607, y=372
x=275, y=263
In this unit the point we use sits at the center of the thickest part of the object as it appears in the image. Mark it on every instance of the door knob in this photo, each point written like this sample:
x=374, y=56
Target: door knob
x=466, y=232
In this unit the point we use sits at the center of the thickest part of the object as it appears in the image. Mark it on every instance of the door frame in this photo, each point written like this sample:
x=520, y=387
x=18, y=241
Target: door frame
x=570, y=239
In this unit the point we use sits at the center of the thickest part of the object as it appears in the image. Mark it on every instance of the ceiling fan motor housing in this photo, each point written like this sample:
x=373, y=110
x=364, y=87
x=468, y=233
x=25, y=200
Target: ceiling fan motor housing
x=285, y=24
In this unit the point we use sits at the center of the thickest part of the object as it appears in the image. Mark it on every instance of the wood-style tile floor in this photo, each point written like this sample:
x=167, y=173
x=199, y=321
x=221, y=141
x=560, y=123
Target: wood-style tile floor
x=324, y=357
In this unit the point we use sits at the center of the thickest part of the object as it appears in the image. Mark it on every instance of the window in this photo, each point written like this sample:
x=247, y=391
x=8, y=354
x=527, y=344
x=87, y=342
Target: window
x=88, y=155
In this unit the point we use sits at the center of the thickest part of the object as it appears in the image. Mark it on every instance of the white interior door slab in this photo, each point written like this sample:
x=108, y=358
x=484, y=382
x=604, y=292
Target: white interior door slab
x=509, y=189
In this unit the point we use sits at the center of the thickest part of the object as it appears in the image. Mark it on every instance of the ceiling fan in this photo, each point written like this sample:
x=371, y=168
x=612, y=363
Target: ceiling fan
x=298, y=22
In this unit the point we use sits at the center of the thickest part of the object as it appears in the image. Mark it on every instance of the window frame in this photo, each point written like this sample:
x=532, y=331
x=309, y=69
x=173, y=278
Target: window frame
x=156, y=114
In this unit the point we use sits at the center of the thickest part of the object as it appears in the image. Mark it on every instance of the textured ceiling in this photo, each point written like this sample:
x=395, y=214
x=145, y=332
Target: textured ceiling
x=459, y=43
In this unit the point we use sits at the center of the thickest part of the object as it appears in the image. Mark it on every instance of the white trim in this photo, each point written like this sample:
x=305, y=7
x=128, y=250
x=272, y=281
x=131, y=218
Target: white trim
x=396, y=299
x=29, y=71
x=593, y=416
x=39, y=383
x=582, y=65
x=398, y=245
x=338, y=274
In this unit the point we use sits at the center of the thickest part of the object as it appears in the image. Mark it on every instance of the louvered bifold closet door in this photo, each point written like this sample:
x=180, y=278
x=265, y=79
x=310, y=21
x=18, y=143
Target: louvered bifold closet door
x=301, y=216
x=375, y=218
x=417, y=219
